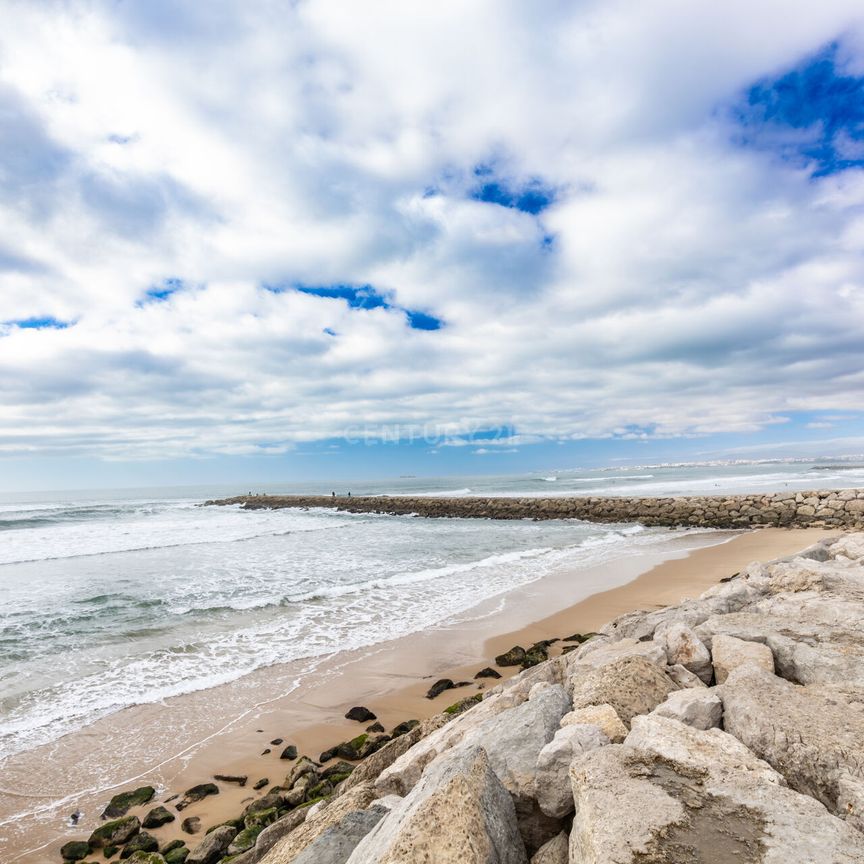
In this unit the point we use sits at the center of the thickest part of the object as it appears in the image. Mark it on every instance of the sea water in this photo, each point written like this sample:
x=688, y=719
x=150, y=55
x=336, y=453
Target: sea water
x=113, y=599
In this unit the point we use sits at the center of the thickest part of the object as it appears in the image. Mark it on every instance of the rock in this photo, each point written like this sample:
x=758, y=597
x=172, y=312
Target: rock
x=290, y=752
x=814, y=736
x=488, y=672
x=301, y=768
x=463, y=704
x=141, y=842
x=684, y=648
x=439, y=687
x=360, y=714
x=157, y=817
x=239, y=779
x=245, y=839
x=336, y=843
x=701, y=709
x=260, y=784
x=513, y=657
x=291, y=844
x=266, y=751
x=684, y=677
x=213, y=847
x=259, y=818
x=120, y=804
x=191, y=825
x=177, y=855
x=537, y=653
x=403, y=727
x=674, y=793
x=458, y=813
x=75, y=850
x=115, y=833
x=603, y=716
x=142, y=857
x=170, y=846
x=197, y=793
x=277, y=741
x=272, y=834
x=556, y=851
x=338, y=772
x=375, y=727
x=729, y=653
x=632, y=685
x=553, y=792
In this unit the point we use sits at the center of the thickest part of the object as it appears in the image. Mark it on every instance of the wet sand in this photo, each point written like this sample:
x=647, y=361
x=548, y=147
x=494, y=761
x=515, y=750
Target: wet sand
x=185, y=740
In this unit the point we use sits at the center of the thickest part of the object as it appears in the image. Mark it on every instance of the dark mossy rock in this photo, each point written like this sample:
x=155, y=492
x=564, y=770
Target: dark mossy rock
x=260, y=818
x=110, y=851
x=403, y=727
x=260, y=784
x=302, y=767
x=239, y=779
x=578, y=637
x=360, y=714
x=339, y=768
x=158, y=817
x=75, y=850
x=115, y=833
x=319, y=791
x=197, y=793
x=177, y=855
x=568, y=648
x=488, y=672
x=119, y=805
x=244, y=840
x=327, y=755
x=236, y=824
x=537, y=653
x=265, y=802
x=141, y=842
x=170, y=846
x=513, y=657
x=439, y=687
x=290, y=752
x=375, y=727
x=277, y=741
x=351, y=749
x=463, y=704
x=191, y=825
x=142, y=857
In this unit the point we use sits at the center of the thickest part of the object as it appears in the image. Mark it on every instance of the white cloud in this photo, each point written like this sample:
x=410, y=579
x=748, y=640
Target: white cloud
x=692, y=286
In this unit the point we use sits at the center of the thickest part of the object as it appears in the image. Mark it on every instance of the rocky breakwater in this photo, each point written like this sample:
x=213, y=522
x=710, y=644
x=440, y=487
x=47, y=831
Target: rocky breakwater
x=729, y=728
x=824, y=508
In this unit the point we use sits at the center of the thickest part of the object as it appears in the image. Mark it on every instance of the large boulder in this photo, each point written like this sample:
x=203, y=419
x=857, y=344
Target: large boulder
x=551, y=776
x=684, y=648
x=458, y=813
x=814, y=736
x=119, y=805
x=672, y=793
x=604, y=717
x=115, y=833
x=729, y=653
x=213, y=847
x=632, y=685
x=337, y=843
x=701, y=709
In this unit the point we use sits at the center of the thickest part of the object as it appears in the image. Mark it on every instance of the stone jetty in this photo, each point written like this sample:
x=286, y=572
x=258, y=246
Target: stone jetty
x=843, y=509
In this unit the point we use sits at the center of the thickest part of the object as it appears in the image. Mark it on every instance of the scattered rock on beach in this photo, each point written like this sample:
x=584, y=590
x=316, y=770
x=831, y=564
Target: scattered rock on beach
x=277, y=741
x=213, y=847
x=439, y=687
x=260, y=784
x=403, y=727
x=375, y=727
x=191, y=825
x=196, y=793
x=360, y=714
x=75, y=850
x=265, y=751
x=142, y=857
x=120, y=804
x=177, y=854
x=513, y=657
x=290, y=752
x=115, y=833
x=537, y=653
x=141, y=842
x=239, y=779
x=488, y=672
x=157, y=817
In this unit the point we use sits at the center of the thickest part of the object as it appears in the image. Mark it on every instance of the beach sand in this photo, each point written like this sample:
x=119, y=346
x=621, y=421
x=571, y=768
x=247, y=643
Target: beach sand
x=186, y=740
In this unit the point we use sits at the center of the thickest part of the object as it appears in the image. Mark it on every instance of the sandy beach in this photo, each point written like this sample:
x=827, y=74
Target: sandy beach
x=186, y=740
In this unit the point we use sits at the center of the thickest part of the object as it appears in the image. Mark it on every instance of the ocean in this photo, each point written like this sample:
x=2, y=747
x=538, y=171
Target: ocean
x=111, y=599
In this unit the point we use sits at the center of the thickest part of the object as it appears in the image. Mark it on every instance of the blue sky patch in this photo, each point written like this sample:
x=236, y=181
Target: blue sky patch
x=532, y=197
x=159, y=293
x=47, y=322
x=812, y=113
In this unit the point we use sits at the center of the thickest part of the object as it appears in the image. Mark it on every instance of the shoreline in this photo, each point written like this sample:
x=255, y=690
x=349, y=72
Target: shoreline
x=390, y=679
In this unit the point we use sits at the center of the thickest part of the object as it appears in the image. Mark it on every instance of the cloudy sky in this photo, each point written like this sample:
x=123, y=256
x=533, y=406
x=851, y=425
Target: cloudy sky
x=325, y=238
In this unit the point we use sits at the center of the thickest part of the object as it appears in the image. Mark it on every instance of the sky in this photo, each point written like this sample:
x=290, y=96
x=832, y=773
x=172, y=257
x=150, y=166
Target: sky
x=312, y=238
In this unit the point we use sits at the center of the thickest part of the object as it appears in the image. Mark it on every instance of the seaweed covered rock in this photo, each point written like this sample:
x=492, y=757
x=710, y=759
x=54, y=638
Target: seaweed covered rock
x=514, y=657
x=213, y=847
x=115, y=833
x=119, y=805
x=360, y=714
x=488, y=672
x=197, y=793
x=157, y=817
x=75, y=850
x=141, y=842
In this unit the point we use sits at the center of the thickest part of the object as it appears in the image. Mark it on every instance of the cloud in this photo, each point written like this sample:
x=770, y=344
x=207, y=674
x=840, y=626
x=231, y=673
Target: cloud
x=589, y=197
